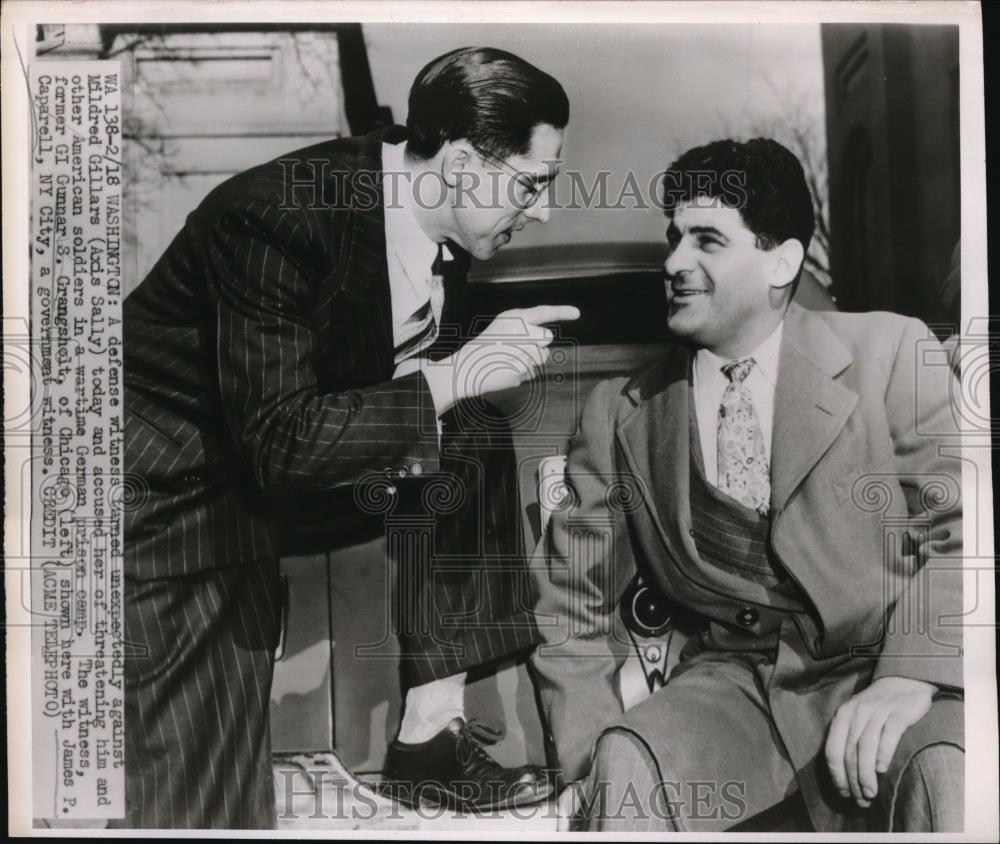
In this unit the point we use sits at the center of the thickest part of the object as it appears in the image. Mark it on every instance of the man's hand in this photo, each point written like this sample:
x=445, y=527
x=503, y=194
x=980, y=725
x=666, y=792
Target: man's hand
x=567, y=806
x=865, y=731
x=512, y=349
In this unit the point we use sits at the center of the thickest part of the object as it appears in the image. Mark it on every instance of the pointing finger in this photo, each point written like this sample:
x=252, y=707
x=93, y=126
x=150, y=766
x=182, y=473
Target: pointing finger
x=542, y=314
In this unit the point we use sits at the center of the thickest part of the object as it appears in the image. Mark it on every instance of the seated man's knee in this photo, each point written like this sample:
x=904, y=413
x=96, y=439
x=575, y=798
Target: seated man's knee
x=924, y=791
x=618, y=749
x=623, y=791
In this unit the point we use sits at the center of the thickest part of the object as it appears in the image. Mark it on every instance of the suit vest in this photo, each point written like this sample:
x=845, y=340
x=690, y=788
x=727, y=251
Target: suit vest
x=735, y=539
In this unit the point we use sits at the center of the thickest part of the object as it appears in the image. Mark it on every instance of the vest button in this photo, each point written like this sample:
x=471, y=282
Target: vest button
x=748, y=616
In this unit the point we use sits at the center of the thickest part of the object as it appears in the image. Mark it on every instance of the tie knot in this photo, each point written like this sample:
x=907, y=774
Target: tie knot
x=737, y=370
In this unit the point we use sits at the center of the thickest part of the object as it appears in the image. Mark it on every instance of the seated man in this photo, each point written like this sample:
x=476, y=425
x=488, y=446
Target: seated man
x=780, y=474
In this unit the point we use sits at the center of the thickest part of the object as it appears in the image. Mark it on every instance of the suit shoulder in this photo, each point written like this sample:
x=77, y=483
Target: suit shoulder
x=653, y=376
x=608, y=393
x=873, y=329
x=301, y=170
x=615, y=395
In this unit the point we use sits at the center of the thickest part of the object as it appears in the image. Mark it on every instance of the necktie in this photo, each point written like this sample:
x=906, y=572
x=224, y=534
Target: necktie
x=429, y=314
x=437, y=284
x=449, y=281
x=743, y=470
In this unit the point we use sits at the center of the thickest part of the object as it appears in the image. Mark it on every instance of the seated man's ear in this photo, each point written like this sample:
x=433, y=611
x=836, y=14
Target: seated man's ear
x=787, y=259
x=455, y=160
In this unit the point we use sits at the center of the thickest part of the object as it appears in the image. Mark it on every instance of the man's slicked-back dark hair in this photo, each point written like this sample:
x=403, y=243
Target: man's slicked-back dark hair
x=760, y=178
x=489, y=97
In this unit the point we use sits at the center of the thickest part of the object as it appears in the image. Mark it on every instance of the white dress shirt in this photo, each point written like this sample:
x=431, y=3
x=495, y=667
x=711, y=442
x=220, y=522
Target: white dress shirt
x=410, y=254
x=710, y=383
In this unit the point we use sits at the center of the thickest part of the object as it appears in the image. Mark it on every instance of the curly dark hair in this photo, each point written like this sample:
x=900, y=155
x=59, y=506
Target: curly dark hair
x=491, y=98
x=760, y=178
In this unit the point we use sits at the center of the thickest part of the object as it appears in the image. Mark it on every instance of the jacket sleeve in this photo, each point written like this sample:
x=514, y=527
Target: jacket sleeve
x=294, y=437
x=924, y=633
x=582, y=565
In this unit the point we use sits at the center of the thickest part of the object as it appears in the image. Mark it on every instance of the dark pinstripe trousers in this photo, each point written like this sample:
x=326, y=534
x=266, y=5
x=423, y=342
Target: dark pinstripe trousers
x=198, y=682
x=201, y=646
x=464, y=597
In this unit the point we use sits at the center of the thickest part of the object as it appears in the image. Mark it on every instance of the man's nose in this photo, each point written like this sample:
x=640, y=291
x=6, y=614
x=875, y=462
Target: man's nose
x=678, y=261
x=539, y=211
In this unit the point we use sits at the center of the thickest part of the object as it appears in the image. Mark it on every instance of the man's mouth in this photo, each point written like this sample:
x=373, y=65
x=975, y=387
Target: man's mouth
x=688, y=294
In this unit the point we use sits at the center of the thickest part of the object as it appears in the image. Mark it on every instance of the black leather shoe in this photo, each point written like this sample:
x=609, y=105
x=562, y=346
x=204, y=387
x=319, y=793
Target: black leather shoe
x=453, y=770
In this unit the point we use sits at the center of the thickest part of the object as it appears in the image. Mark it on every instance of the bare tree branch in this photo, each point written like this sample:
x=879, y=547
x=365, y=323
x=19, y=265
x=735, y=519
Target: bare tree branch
x=797, y=127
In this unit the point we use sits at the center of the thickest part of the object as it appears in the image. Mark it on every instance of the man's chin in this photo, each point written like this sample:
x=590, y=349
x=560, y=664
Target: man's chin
x=486, y=251
x=680, y=325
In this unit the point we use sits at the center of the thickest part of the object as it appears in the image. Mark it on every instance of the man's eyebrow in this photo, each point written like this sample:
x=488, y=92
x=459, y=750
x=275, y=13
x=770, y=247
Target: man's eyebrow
x=708, y=230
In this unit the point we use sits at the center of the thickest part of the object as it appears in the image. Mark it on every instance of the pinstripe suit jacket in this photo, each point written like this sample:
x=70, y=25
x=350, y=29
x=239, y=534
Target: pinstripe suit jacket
x=258, y=361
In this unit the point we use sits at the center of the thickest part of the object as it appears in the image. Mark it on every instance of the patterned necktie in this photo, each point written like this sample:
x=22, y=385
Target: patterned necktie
x=743, y=470
x=430, y=314
x=438, y=269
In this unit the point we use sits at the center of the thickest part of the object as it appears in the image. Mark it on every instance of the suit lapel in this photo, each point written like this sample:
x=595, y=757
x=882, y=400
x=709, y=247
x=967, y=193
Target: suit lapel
x=365, y=286
x=810, y=408
x=655, y=441
x=363, y=298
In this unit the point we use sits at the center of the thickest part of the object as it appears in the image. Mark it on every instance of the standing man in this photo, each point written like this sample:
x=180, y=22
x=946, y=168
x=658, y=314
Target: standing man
x=279, y=351
x=789, y=478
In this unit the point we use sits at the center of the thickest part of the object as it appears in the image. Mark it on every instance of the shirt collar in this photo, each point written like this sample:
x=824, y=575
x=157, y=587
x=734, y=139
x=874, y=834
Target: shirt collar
x=414, y=249
x=765, y=356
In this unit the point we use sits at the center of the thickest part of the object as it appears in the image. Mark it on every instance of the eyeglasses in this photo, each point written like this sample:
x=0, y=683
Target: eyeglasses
x=533, y=192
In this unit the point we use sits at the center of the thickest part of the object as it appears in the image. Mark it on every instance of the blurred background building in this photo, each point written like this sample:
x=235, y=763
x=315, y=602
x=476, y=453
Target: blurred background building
x=207, y=103
x=892, y=125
